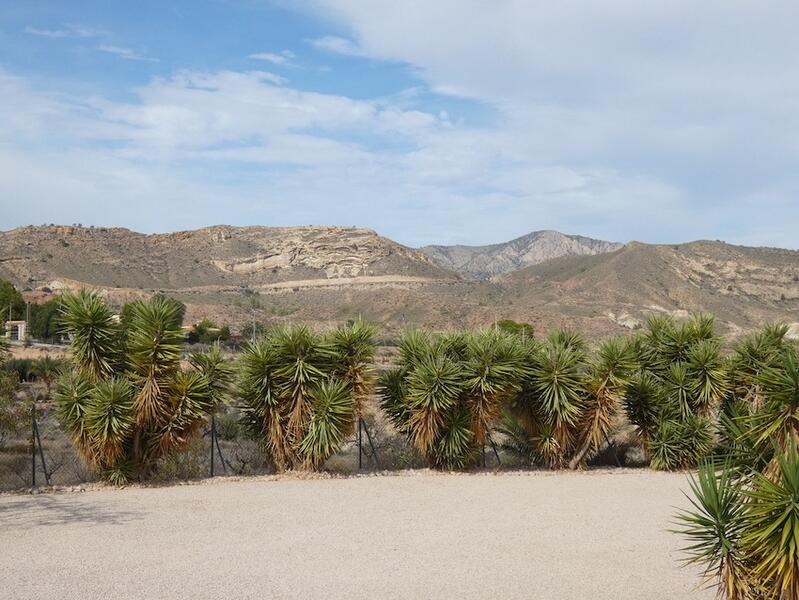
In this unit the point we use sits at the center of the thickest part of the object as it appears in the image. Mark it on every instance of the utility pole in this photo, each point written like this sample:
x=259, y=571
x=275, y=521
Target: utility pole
x=28, y=319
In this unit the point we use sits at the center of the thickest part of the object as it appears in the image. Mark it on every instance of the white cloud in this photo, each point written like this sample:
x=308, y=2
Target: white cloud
x=337, y=45
x=125, y=53
x=69, y=30
x=282, y=58
x=241, y=147
x=619, y=120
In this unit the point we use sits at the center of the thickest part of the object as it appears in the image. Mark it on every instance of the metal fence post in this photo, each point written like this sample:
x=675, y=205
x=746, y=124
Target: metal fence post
x=360, y=443
x=213, y=438
x=41, y=451
x=33, y=445
x=219, y=450
x=372, y=446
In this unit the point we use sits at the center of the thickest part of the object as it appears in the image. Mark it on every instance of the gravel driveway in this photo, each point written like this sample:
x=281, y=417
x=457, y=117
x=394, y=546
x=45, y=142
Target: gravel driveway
x=548, y=536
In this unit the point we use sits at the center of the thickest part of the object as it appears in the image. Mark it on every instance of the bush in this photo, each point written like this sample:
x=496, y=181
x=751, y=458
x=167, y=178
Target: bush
x=302, y=392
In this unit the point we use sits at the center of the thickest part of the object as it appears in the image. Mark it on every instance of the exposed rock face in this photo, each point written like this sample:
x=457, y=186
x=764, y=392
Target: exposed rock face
x=482, y=262
x=221, y=255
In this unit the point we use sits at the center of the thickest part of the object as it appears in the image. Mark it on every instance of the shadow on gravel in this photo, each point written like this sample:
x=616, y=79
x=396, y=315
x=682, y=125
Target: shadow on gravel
x=41, y=510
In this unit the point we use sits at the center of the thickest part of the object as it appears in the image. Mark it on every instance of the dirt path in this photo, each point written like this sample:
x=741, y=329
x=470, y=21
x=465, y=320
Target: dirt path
x=543, y=536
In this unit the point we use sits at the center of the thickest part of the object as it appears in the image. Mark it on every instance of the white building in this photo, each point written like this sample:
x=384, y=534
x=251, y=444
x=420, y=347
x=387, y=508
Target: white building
x=16, y=330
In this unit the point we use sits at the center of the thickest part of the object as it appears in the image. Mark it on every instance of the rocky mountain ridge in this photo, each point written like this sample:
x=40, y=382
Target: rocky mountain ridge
x=326, y=275
x=482, y=262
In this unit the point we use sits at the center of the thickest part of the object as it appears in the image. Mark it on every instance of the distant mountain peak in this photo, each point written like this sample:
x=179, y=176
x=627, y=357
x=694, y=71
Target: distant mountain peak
x=482, y=262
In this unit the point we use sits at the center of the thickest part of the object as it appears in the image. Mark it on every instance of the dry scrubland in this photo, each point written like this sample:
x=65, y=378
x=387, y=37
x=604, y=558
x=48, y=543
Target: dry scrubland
x=598, y=535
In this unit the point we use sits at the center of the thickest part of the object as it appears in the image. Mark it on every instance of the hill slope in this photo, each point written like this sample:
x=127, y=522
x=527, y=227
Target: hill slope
x=480, y=262
x=229, y=256
x=326, y=275
x=743, y=286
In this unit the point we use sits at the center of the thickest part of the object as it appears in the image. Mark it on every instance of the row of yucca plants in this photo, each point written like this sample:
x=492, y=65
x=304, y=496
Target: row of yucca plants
x=128, y=401
x=550, y=400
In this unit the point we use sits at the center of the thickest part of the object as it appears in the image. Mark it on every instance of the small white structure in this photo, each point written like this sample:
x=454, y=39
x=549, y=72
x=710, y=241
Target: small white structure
x=16, y=330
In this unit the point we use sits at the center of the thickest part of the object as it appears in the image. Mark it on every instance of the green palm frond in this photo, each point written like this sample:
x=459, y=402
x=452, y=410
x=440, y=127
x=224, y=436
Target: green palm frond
x=434, y=387
x=86, y=318
x=644, y=404
x=414, y=345
x=393, y=399
x=566, y=338
x=714, y=530
x=110, y=419
x=779, y=417
x=557, y=383
x=771, y=535
x=608, y=374
x=351, y=350
x=300, y=359
x=191, y=399
x=455, y=448
x=72, y=399
x=332, y=420
x=154, y=347
x=707, y=368
x=680, y=388
x=515, y=438
x=492, y=372
x=218, y=371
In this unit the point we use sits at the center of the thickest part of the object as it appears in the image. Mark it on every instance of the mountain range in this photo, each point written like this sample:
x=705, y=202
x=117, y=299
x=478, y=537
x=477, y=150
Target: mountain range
x=325, y=275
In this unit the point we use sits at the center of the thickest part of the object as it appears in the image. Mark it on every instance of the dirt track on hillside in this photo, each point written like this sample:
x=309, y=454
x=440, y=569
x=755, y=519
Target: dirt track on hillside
x=594, y=536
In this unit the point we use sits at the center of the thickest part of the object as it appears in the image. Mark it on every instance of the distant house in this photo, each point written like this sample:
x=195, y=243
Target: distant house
x=16, y=330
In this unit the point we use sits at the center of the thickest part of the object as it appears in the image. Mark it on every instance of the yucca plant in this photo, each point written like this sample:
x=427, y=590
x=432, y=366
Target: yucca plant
x=682, y=381
x=568, y=398
x=744, y=529
x=303, y=392
x=605, y=382
x=447, y=391
x=714, y=529
x=753, y=354
x=567, y=401
x=126, y=402
x=762, y=407
x=47, y=370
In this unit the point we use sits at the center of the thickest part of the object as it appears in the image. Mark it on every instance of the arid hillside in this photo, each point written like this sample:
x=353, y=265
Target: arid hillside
x=743, y=286
x=326, y=275
x=62, y=257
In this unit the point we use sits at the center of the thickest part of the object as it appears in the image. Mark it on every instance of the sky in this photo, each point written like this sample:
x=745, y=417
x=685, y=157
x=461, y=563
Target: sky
x=430, y=121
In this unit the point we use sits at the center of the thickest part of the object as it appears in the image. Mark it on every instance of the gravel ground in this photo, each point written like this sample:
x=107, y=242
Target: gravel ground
x=589, y=536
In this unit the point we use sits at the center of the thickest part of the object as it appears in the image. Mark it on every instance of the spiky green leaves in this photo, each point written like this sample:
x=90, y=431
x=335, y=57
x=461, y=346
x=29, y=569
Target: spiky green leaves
x=770, y=537
x=331, y=421
x=94, y=333
x=448, y=391
x=683, y=379
x=714, y=530
x=127, y=402
x=73, y=395
x=109, y=418
x=744, y=530
x=679, y=444
x=294, y=387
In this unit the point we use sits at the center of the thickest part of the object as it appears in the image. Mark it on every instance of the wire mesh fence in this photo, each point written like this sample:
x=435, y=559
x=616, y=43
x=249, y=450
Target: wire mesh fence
x=37, y=452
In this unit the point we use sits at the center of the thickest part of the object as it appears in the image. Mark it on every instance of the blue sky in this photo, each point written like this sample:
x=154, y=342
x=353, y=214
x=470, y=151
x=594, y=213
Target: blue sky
x=445, y=121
